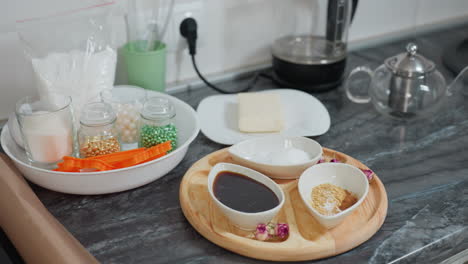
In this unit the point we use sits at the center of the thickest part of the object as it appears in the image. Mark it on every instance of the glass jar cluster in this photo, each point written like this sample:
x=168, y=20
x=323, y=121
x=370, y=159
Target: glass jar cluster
x=126, y=119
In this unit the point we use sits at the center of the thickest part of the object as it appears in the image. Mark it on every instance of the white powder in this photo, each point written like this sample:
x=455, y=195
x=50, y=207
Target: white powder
x=331, y=206
x=78, y=74
x=287, y=156
x=49, y=137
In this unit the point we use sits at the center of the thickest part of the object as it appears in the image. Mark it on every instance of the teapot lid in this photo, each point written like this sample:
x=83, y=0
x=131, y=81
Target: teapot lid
x=410, y=64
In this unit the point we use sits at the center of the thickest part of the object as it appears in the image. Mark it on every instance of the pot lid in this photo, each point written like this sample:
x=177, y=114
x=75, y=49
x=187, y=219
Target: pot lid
x=409, y=63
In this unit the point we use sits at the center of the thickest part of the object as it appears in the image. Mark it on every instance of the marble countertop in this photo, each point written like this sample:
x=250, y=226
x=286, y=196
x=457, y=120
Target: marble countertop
x=423, y=165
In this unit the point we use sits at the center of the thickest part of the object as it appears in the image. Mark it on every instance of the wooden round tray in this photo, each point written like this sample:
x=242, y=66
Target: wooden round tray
x=307, y=239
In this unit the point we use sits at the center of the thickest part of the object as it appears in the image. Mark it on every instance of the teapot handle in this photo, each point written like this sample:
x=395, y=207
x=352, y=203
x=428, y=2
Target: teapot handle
x=360, y=99
x=462, y=78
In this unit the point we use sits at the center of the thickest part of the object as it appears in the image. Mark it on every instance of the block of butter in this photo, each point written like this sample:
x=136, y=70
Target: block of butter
x=260, y=112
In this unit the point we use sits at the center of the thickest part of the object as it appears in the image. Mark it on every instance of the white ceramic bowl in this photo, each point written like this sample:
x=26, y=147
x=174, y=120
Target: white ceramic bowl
x=254, y=153
x=243, y=220
x=114, y=180
x=339, y=174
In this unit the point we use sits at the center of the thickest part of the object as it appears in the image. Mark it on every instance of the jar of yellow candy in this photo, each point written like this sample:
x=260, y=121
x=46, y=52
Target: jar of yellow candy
x=97, y=134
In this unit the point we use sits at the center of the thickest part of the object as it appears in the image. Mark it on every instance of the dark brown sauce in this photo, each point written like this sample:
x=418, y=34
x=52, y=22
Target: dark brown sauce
x=242, y=193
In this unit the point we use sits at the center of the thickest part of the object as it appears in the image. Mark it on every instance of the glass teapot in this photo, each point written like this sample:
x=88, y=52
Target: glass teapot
x=405, y=86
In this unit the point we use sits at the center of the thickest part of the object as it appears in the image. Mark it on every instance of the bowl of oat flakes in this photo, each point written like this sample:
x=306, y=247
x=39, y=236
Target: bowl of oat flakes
x=332, y=191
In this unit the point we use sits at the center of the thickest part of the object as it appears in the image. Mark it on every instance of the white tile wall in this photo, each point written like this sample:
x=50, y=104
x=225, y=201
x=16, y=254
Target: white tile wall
x=429, y=11
x=374, y=18
x=246, y=40
x=235, y=33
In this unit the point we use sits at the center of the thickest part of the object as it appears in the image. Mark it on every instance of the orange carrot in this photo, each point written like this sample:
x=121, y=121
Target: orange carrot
x=118, y=156
x=70, y=164
x=149, y=154
x=113, y=161
x=153, y=158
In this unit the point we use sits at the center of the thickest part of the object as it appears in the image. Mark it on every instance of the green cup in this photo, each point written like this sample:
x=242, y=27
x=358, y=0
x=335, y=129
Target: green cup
x=146, y=69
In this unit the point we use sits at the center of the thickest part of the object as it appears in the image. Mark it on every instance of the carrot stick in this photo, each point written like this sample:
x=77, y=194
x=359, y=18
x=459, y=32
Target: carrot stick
x=118, y=156
x=70, y=164
x=115, y=160
x=153, y=158
x=149, y=154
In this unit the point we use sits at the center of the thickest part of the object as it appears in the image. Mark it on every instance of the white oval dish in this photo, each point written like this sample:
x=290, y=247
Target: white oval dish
x=303, y=115
x=243, y=220
x=114, y=180
x=261, y=153
x=340, y=174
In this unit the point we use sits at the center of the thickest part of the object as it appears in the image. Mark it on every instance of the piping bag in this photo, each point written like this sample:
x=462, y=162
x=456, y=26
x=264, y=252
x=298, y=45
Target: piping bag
x=36, y=234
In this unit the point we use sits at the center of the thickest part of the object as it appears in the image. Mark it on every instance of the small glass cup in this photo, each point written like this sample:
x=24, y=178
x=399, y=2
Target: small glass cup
x=47, y=129
x=127, y=102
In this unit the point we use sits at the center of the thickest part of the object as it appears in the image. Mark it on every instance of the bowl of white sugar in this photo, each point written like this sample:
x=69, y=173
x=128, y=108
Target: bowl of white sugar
x=277, y=156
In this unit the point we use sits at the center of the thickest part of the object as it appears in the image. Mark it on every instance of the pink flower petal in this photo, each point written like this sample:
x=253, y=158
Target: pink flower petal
x=282, y=230
x=322, y=160
x=369, y=174
x=261, y=228
x=335, y=160
x=261, y=233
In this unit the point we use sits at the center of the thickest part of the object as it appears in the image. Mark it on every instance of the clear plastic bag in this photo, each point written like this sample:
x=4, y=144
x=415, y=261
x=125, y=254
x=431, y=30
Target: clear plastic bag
x=71, y=53
x=147, y=23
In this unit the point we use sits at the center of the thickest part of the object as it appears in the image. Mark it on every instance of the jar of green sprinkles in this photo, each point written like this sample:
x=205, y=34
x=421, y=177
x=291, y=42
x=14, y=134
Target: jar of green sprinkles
x=157, y=123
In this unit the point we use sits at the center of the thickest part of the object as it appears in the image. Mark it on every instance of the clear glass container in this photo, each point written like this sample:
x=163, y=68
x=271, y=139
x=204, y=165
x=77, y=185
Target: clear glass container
x=157, y=123
x=47, y=129
x=98, y=134
x=405, y=86
x=313, y=31
x=127, y=102
x=403, y=97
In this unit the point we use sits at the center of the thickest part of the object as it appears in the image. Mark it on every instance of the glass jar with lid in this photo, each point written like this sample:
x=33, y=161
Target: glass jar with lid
x=157, y=123
x=97, y=134
x=127, y=102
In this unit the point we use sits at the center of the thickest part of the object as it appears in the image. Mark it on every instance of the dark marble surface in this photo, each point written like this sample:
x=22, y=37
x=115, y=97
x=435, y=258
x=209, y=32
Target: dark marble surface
x=423, y=165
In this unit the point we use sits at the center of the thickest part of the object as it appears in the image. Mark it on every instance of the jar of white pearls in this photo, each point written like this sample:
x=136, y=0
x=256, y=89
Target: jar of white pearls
x=127, y=102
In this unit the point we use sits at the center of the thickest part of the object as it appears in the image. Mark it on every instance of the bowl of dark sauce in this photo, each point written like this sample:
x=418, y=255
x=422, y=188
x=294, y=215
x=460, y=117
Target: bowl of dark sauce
x=247, y=197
